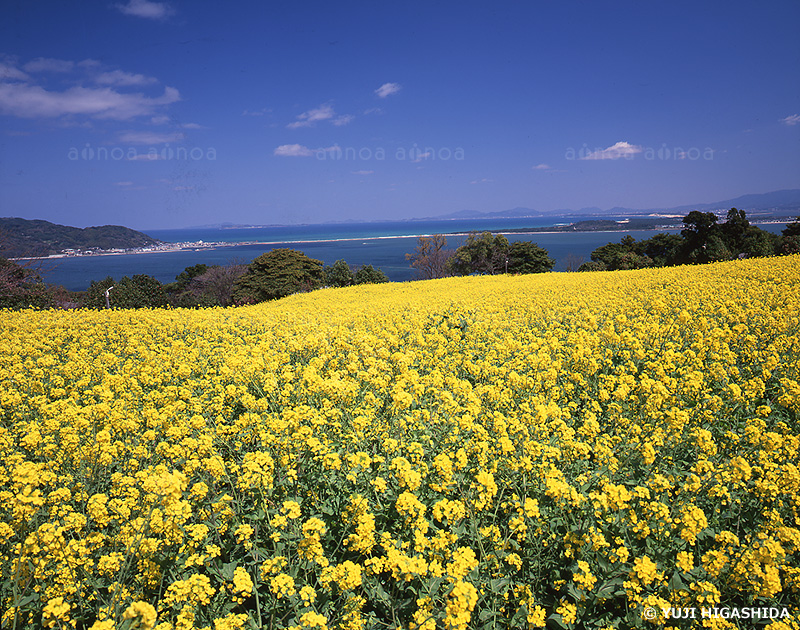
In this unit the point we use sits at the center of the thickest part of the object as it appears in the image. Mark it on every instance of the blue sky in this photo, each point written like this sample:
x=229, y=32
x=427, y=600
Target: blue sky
x=161, y=115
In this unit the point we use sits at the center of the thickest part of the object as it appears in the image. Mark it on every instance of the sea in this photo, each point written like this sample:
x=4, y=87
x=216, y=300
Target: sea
x=383, y=245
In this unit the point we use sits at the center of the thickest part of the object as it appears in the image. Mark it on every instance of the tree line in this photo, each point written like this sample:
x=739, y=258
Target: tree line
x=483, y=253
x=272, y=275
x=702, y=240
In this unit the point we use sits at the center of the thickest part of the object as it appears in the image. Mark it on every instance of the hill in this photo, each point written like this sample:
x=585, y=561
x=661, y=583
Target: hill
x=25, y=237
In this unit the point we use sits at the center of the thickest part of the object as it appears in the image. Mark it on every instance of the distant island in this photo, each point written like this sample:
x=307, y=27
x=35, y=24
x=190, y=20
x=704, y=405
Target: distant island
x=38, y=238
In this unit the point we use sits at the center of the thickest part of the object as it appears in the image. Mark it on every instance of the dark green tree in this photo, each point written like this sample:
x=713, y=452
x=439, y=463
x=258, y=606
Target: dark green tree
x=756, y=242
x=369, y=275
x=528, y=257
x=276, y=274
x=663, y=249
x=593, y=265
x=734, y=230
x=792, y=229
x=627, y=254
x=483, y=253
x=338, y=274
x=716, y=250
x=95, y=294
x=698, y=230
x=139, y=291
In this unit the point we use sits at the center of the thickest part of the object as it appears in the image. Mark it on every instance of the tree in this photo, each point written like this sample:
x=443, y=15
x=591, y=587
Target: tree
x=216, y=285
x=338, y=274
x=482, y=253
x=95, y=294
x=430, y=257
x=663, y=249
x=735, y=229
x=528, y=257
x=140, y=291
x=276, y=274
x=593, y=265
x=183, y=279
x=756, y=242
x=700, y=227
x=21, y=287
x=793, y=228
x=369, y=275
x=572, y=261
x=627, y=254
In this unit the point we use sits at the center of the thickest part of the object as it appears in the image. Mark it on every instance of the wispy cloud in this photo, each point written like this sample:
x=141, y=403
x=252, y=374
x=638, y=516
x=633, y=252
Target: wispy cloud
x=24, y=97
x=120, y=78
x=33, y=101
x=615, y=152
x=387, y=89
x=149, y=137
x=257, y=112
x=541, y=167
x=791, y=120
x=483, y=180
x=293, y=150
x=363, y=172
x=8, y=72
x=313, y=116
x=123, y=183
x=146, y=157
x=43, y=64
x=146, y=9
x=342, y=120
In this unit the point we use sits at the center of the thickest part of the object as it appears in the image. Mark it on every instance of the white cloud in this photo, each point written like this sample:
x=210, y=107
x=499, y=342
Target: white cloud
x=146, y=157
x=342, y=120
x=619, y=150
x=293, y=150
x=363, y=172
x=258, y=112
x=312, y=116
x=481, y=181
x=146, y=9
x=791, y=120
x=150, y=137
x=8, y=71
x=33, y=101
x=159, y=120
x=192, y=126
x=120, y=78
x=541, y=167
x=43, y=64
x=123, y=183
x=387, y=89
x=422, y=156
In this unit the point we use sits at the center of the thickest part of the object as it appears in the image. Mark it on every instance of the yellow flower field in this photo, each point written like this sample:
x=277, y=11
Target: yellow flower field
x=598, y=450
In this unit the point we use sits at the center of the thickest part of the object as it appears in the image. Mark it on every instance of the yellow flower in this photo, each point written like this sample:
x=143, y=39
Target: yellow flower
x=143, y=615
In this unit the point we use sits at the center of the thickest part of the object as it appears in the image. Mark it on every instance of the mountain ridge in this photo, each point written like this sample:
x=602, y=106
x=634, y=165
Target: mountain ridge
x=786, y=200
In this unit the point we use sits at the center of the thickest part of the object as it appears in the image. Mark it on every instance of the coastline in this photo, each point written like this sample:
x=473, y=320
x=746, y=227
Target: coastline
x=223, y=244
x=215, y=245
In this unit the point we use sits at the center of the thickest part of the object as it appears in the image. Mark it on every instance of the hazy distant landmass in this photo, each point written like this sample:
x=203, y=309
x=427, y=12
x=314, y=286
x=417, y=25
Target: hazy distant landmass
x=26, y=237
x=771, y=203
x=776, y=203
